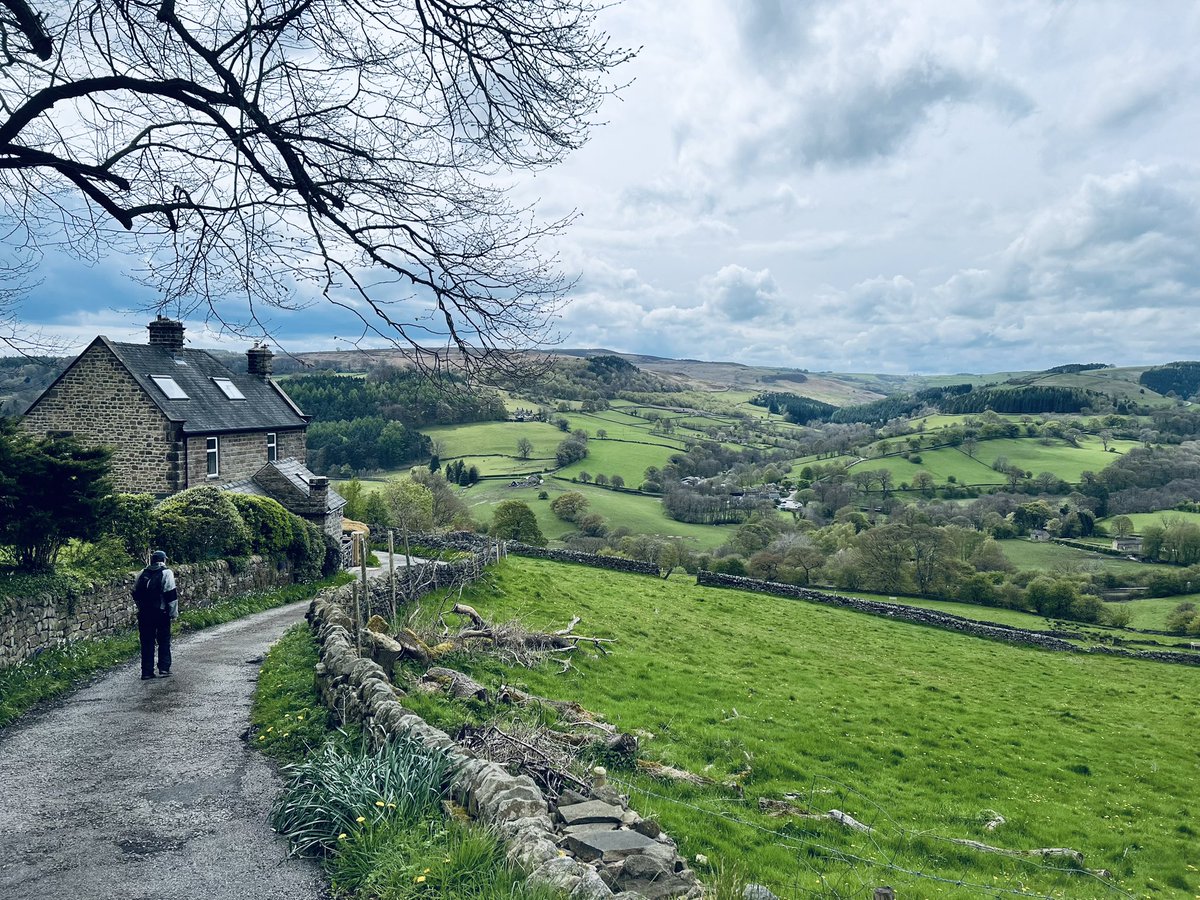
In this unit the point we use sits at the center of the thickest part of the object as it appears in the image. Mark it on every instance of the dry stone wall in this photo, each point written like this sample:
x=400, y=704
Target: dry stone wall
x=31, y=624
x=1046, y=640
x=590, y=847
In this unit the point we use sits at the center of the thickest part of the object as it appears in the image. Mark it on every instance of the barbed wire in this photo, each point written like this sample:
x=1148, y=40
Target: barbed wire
x=808, y=845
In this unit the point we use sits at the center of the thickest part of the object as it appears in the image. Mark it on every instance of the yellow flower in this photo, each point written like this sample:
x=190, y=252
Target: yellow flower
x=262, y=737
x=379, y=803
x=299, y=718
x=342, y=836
x=427, y=871
x=420, y=879
x=270, y=728
x=361, y=819
x=447, y=859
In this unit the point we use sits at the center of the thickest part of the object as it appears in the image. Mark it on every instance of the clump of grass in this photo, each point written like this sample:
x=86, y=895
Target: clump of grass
x=340, y=794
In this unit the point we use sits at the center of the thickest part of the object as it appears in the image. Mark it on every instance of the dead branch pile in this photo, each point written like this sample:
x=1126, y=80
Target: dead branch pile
x=535, y=751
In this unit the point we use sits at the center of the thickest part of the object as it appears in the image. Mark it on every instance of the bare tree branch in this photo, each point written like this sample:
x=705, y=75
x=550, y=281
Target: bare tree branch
x=276, y=153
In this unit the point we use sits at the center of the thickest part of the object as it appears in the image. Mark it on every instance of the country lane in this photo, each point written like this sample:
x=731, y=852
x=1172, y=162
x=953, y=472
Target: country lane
x=145, y=790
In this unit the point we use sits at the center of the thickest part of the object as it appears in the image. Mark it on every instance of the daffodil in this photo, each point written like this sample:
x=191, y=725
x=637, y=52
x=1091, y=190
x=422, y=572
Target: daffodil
x=379, y=803
x=361, y=819
x=342, y=836
x=420, y=879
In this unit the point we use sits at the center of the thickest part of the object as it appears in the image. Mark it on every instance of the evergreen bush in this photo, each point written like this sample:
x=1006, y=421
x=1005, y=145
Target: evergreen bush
x=199, y=524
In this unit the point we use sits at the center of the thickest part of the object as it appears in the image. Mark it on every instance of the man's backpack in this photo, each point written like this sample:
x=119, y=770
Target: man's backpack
x=148, y=590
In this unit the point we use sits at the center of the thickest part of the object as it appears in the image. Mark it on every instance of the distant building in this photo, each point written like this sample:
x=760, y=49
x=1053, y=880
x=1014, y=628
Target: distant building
x=1127, y=544
x=176, y=418
x=1039, y=534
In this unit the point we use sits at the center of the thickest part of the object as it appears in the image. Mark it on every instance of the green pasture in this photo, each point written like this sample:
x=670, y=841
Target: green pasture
x=1059, y=457
x=1044, y=556
x=914, y=731
x=941, y=464
x=628, y=460
x=1141, y=520
x=487, y=438
x=623, y=428
x=639, y=513
x=1150, y=613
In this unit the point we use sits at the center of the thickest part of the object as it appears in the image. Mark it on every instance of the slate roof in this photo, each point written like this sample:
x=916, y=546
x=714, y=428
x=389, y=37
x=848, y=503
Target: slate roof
x=207, y=410
x=296, y=472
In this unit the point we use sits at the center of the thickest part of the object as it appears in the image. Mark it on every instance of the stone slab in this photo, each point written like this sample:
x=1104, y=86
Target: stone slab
x=608, y=846
x=590, y=812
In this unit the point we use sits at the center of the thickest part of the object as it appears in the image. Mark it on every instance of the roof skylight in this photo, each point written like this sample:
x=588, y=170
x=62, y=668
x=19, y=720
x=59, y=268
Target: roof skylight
x=170, y=387
x=229, y=389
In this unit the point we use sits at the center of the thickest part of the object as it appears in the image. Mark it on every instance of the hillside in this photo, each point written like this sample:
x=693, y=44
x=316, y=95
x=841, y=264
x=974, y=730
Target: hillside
x=917, y=732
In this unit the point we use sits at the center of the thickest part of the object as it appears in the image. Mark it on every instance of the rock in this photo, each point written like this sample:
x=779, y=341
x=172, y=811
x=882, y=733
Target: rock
x=591, y=887
x=378, y=624
x=583, y=829
x=569, y=797
x=560, y=873
x=609, y=846
x=653, y=878
x=590, y=812
x=648, y=827
x=757, y=892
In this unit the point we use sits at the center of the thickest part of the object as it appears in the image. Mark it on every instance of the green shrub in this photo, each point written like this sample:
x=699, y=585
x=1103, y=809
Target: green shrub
x=199, y=524
x=131, y=518
x=272, y=528
x=106, y=557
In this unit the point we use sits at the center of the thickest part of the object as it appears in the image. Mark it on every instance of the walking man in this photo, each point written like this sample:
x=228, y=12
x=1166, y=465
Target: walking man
x=157, y=603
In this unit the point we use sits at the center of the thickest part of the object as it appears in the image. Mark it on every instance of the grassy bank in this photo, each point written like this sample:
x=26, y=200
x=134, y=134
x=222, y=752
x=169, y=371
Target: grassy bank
x=374, y=818
x=915, y=731
x=55, y=672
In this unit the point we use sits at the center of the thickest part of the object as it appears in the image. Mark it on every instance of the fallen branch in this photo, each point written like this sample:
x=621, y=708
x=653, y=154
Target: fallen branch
x=670, y=773
x=461, y=686
x=1073, y=856
x=778, y=809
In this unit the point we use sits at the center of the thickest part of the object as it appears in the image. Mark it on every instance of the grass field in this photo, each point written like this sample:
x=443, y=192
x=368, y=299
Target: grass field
x=641, y=514
x=941, y=464
x=914, y=731
x=487, y=438
x=1060, y=458
x=623, y=458
x=1141, y=520
x=1050, y=558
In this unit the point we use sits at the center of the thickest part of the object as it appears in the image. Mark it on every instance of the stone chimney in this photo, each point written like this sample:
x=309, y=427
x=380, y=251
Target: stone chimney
x=318, y=492
x=258, y=360
x=166, y=333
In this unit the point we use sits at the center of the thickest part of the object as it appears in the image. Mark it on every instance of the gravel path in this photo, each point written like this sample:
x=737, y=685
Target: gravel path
x=144, y=790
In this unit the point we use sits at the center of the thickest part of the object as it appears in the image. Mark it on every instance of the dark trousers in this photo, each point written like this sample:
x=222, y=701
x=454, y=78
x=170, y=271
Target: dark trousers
x=154, y=626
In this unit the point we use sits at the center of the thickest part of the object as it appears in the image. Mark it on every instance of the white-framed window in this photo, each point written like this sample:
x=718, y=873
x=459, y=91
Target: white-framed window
x=212, y=452
x=170, y=387
x=229, y=389
x=272, y=447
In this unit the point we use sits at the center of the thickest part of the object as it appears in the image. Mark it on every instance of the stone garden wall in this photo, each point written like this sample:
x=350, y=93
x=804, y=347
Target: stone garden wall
x=590, y=847
x=38, y=622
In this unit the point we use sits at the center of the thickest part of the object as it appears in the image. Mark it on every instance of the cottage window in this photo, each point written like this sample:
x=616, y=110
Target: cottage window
x=170, y=387
x=229, y=389
x=213, y=452
x=271, y=447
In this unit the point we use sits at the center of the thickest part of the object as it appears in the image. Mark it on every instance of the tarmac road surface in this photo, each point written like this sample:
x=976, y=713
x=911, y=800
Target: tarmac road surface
x=145, y=790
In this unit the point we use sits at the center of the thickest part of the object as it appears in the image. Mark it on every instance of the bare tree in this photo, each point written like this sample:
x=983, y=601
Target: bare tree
x=259, y=155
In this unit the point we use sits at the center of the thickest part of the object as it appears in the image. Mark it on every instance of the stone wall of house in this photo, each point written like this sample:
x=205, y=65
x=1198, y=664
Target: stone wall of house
x=30, y=624
x=588, y=846
x=101, y=404
x=241, y=454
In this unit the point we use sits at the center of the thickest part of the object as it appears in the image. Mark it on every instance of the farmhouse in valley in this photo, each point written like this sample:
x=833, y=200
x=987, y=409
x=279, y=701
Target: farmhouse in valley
x=177, y=418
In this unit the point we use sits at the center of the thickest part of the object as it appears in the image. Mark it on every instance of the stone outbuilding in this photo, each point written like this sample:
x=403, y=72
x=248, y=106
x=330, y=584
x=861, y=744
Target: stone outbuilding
x=175, y=418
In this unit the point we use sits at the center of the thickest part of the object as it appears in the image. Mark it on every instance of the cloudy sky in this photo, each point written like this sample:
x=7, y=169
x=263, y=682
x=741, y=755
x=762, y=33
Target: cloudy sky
x=866, y=186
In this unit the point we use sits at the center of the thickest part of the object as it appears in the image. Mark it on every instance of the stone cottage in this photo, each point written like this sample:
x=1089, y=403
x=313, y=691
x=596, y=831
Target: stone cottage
x=177, y=418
